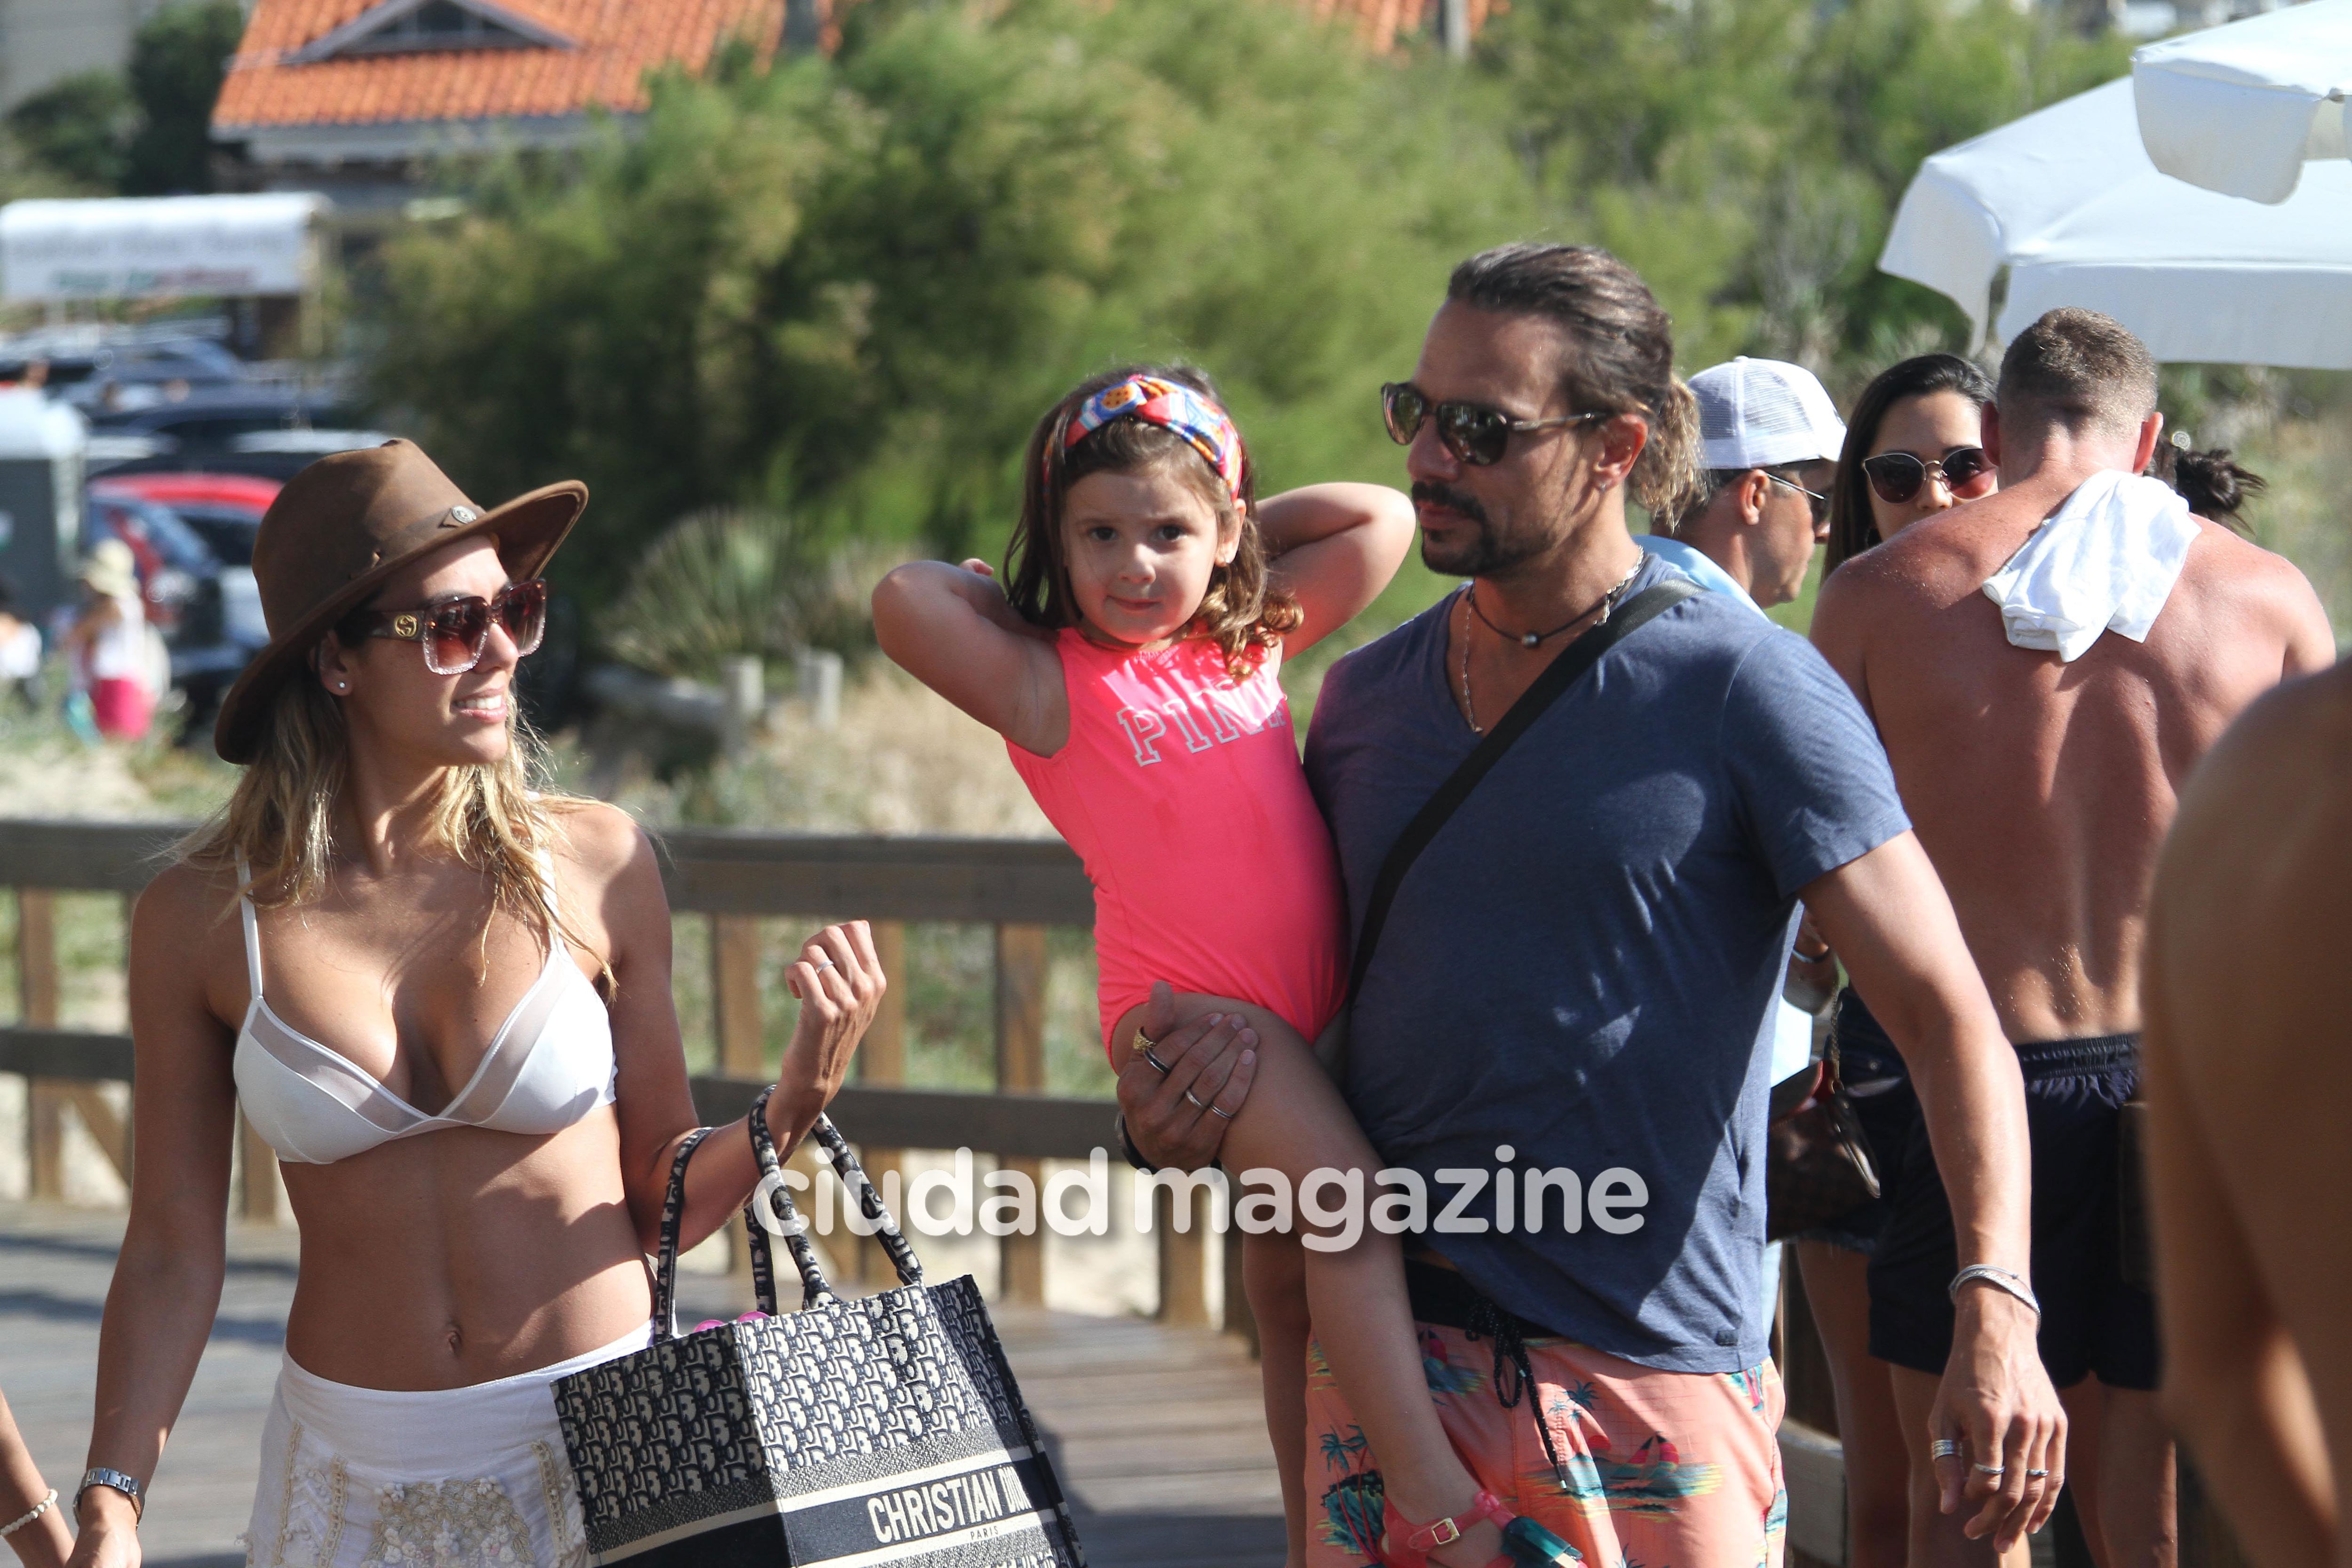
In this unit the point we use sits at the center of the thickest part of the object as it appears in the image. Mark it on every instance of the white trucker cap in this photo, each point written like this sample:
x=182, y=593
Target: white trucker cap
x=1763, y=413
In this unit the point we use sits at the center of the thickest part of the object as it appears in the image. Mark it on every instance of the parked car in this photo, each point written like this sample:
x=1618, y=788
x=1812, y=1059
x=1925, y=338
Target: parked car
x=226, y=509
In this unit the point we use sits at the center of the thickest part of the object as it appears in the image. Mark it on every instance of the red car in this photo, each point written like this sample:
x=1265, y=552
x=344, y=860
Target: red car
x=239, y=492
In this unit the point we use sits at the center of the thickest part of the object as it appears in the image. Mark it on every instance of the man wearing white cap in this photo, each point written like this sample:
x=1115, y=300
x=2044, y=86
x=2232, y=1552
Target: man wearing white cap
x=1769, y=437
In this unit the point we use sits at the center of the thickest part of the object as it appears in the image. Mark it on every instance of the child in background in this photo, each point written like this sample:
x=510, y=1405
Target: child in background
x=110, y=645
x=1131, y=665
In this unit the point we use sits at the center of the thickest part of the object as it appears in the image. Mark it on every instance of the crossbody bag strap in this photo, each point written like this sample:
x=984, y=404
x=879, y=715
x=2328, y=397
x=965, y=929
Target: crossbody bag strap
x=1571, y=663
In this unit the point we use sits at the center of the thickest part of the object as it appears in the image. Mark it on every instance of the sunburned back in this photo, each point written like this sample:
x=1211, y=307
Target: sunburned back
x=2042, y=790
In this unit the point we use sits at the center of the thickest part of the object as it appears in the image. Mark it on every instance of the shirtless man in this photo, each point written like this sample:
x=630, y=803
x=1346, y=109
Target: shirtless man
x=2248, y=1163
x=2042, y=787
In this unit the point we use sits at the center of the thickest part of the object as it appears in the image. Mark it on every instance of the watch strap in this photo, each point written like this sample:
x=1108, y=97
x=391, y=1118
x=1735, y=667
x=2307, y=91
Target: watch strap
x=100, y=1476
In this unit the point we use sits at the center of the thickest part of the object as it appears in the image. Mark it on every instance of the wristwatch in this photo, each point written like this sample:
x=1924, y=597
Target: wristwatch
x=100, y=1476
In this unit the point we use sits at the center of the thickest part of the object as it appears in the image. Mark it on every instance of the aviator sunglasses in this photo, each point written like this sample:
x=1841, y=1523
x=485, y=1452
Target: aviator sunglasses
x=1474, y=434
x=1897, y=476
x=455, y=632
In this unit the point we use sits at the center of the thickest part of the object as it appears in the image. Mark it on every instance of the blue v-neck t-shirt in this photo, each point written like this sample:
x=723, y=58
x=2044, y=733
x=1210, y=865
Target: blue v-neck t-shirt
x=1582, y=965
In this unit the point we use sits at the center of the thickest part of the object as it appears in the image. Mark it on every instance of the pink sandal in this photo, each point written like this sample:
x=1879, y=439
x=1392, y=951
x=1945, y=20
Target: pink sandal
x=1419, y=1540
x=1526, y=1543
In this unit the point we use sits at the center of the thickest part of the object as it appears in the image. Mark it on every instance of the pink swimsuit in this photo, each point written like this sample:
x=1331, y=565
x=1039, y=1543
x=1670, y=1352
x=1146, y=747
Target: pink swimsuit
x=1182, y=791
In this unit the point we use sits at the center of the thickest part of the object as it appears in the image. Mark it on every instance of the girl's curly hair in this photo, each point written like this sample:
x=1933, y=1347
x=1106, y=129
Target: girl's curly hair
x=1242, y=612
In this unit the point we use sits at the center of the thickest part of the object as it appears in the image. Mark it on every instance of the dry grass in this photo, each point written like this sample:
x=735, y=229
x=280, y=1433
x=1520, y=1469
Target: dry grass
x=902, y=760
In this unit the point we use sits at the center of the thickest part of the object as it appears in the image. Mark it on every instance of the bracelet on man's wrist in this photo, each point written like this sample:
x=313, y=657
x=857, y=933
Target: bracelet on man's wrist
x=114, y=1480
x=2000, y=1278
x=1126, y=1147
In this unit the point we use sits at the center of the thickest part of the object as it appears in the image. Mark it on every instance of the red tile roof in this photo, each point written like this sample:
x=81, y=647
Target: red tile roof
x=619, y=41
x=1380, y=23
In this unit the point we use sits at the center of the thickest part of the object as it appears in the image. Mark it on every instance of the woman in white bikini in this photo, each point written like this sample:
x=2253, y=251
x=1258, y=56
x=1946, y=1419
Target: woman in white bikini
x=446, y=1001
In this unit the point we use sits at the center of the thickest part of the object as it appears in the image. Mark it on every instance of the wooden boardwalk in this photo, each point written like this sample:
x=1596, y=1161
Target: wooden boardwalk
x=1157, y=1431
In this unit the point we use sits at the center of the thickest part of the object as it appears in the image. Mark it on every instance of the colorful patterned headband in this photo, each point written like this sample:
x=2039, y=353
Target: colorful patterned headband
x=1173, y=408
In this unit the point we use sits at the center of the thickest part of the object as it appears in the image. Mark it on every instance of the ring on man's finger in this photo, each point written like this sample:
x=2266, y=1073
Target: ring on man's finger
x=1195, y=1101
x=1989, y=1470
x=1216, y=1110
x=1946, y=1449
x=2037, y=1475
x=1155, y=1061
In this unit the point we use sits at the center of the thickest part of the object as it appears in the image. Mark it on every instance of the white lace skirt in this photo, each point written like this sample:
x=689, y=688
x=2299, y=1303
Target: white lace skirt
x=457, y=1478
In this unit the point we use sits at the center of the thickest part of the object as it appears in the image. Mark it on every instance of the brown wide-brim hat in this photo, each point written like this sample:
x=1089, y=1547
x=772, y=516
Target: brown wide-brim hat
x=343, y=525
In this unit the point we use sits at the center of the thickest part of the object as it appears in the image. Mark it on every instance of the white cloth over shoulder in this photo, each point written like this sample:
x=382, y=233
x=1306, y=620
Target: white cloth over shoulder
x=2106, y=562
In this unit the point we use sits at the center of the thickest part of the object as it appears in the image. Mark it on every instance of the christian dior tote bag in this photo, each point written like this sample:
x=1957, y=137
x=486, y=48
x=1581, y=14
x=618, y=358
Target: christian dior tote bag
x=883, y=1430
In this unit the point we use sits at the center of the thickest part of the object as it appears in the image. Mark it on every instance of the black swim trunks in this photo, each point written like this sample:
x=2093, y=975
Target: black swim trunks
x=1879, y=1088
x=2093, y=1323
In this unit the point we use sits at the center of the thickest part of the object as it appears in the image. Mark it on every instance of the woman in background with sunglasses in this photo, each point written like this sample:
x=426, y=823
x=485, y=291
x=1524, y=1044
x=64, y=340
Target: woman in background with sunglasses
x=444, y=1000
x=1912, y=450
x=1914, y=446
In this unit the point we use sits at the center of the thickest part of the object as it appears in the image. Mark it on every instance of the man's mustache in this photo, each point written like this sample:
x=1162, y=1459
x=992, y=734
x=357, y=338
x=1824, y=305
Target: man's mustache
x=1426, y=493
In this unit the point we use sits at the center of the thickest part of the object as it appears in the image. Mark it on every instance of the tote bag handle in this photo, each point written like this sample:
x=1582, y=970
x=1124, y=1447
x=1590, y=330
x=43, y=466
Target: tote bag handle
x=666, y=1260
x=785, y=1221
x=777, y=1199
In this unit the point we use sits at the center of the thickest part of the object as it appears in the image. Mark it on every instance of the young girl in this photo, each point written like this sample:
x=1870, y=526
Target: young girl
x=1131, y=665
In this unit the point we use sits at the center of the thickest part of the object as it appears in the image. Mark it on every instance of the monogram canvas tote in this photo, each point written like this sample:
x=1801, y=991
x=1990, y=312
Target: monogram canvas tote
x=881, y=1430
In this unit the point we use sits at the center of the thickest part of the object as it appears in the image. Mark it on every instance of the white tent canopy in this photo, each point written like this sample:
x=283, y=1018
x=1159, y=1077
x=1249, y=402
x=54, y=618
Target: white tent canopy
x=149, y=247
x=2067, y=199
x=2242, y=109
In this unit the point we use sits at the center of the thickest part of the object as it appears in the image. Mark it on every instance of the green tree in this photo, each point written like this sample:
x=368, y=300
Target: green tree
x=177, y=62
x=1748, y=155
x=80, y=128
x=848, y=287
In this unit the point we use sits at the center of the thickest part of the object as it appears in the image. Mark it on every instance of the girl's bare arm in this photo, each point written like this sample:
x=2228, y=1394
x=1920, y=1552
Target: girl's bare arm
x=1335, y=547
x=167, y=1280
x=951, y=628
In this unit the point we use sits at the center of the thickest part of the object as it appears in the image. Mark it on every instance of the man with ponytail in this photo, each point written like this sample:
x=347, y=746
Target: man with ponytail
x=1560, y=1024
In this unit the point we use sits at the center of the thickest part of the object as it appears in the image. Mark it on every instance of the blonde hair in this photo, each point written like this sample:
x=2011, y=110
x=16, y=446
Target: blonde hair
x=281, y=817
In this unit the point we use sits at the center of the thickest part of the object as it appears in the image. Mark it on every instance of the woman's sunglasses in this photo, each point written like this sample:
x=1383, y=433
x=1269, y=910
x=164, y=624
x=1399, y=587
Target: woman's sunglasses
x=455, y=632
x=1474, y=434
x=1966, y=471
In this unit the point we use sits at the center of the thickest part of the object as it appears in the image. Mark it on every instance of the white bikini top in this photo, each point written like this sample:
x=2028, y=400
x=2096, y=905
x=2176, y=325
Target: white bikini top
x=549, y=1063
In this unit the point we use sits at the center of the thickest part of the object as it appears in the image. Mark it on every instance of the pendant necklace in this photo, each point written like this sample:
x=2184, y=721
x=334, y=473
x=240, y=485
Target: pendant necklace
x=1530, y=639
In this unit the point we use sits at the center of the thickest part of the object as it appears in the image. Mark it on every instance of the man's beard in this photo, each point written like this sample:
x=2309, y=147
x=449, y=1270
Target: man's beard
x=1483, y=553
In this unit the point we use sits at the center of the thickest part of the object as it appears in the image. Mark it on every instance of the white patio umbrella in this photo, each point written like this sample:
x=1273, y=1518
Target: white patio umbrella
x=2241, y=109
x=2067, y=199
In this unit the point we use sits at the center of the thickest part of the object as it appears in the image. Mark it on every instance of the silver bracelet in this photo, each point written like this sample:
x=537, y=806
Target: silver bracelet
x=1999, y=1279
x=129, y=1486
x=39, y=1509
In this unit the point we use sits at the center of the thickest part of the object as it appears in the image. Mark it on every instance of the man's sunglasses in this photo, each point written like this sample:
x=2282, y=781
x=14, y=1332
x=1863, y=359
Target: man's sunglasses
x=1814, y=499
x=1966, y=471
x=1474, y=434
x=455, y=632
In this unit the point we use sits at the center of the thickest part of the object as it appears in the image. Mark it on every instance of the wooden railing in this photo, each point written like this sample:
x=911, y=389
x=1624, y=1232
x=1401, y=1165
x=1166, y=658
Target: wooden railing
x=1020, y=887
